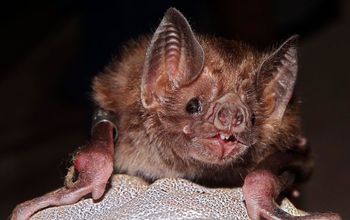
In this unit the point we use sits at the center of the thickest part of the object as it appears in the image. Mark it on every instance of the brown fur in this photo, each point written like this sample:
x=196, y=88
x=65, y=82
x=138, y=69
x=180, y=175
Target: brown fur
x=151, y=142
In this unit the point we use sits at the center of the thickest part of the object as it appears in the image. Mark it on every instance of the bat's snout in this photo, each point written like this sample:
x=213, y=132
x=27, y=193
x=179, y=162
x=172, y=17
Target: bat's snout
x=230, y=114
x=230, y=118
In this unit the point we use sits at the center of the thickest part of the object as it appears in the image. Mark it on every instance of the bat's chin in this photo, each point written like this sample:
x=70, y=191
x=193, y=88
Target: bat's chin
x=221, y=148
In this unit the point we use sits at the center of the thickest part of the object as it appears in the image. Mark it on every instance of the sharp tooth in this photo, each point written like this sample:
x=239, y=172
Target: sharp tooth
x=223, y=137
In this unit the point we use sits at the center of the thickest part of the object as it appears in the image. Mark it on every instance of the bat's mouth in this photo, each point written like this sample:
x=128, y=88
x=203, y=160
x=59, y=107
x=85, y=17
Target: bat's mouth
x=225, y=138
x=214, y=145
x=224, y=145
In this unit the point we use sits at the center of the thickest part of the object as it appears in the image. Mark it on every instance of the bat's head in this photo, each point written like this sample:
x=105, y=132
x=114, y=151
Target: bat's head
x=214, y=99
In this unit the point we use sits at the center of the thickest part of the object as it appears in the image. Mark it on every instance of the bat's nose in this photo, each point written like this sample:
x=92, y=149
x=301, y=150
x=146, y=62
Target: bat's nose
x=224, y=115
x=229, y=116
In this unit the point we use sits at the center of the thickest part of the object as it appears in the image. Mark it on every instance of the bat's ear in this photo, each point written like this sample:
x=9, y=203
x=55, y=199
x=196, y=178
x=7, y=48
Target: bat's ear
x=174, y=58
x=277, y=77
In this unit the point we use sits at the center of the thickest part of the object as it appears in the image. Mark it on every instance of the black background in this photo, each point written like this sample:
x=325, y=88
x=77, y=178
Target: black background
x=50, y=50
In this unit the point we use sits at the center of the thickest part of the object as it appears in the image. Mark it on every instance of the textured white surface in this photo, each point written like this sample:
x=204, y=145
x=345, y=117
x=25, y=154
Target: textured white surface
x=132, y=198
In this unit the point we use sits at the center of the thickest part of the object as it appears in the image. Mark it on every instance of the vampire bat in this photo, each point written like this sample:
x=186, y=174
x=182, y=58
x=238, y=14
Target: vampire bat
x=210, y=110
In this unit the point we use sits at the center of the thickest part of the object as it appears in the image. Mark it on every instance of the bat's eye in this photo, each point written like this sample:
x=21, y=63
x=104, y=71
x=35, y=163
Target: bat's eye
x=194, y=106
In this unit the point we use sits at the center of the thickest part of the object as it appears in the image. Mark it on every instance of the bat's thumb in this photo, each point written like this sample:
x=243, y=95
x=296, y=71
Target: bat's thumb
x=97, y=191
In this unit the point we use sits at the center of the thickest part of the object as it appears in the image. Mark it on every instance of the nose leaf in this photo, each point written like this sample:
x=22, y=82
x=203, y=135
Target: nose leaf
x=238, y=119
x=230, y=114
x=224, y=116
x=229, y=117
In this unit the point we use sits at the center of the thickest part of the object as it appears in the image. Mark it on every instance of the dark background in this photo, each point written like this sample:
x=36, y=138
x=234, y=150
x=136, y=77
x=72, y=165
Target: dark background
x=50, y=50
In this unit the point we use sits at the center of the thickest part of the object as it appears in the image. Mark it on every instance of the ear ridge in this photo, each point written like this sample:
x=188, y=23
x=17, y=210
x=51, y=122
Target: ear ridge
x=278, y=74
x=175, y=58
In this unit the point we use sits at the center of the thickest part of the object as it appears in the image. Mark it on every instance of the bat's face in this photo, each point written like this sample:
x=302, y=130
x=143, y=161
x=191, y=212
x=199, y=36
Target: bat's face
x=212, y=97
x=214, y=115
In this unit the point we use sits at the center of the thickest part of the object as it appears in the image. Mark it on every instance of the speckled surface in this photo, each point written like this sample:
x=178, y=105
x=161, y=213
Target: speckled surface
x=132, y=198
